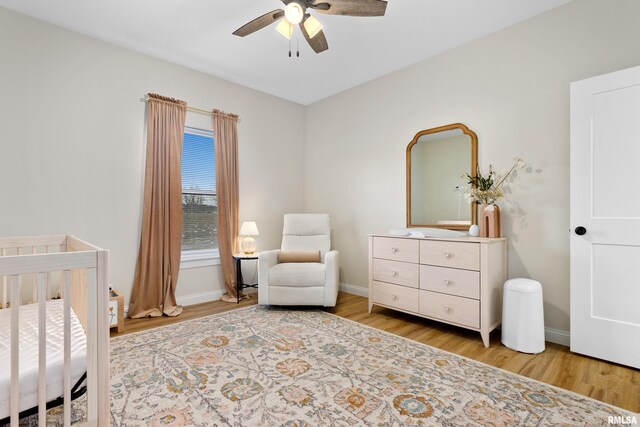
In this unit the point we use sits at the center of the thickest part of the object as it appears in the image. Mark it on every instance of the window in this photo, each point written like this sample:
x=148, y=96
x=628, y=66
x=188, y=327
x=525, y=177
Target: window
x=199, y=202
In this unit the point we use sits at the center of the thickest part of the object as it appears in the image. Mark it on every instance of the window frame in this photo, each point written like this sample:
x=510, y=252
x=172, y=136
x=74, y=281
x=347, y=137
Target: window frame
x=196, y=258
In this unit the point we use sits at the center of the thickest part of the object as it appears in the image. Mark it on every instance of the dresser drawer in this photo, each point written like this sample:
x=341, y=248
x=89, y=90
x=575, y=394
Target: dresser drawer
x=406, y=250
x=450, y=254
x=462, y=311
x=395, y=296
x=400, y=273
x=463, y=283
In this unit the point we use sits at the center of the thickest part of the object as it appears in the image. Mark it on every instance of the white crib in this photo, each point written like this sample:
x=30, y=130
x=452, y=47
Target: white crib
x=79, y=270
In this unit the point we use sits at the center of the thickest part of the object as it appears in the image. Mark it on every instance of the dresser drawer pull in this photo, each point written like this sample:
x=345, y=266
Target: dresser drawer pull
x=448, y=282
x=394, y=297
x=448, y=255
x=394, y=273
x=447, y=309
x=394, y=250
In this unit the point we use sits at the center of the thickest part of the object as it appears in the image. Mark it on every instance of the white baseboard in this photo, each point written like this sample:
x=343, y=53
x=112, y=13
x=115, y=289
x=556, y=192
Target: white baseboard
x=200, y=298
x=355, y=290
x=191, y=299
x=557, y=336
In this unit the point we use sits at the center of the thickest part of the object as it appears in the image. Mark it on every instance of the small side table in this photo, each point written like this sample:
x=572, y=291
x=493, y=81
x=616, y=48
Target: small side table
x=116, y=310
x=240, y=285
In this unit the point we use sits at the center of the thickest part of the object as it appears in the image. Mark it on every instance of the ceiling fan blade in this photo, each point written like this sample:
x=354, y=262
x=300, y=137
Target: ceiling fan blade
x=317, y=43
x=351, y=7
x=259, y=23
x=320, y=6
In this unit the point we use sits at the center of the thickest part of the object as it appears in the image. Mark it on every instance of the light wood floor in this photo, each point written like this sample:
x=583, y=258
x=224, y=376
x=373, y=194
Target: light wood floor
x=608, y=382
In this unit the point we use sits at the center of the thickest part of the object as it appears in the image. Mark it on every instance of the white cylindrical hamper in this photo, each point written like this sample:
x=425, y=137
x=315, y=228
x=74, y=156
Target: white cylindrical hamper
x=523, y=316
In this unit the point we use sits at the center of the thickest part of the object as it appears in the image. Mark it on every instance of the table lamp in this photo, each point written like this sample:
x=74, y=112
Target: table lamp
x=249, y=229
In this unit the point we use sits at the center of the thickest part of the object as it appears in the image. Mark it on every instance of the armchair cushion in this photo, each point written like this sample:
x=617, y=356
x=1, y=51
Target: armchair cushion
x=306, y=224
x=300, y=275
x=306, y=232
x=299, y=256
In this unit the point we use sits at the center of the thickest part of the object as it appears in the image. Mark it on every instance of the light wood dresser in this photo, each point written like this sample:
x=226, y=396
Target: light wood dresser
x=456, y=281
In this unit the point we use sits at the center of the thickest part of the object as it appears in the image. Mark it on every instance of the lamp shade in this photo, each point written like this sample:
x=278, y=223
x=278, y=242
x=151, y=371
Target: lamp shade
x=313, y=26
x=249, y=228
x=285, y=28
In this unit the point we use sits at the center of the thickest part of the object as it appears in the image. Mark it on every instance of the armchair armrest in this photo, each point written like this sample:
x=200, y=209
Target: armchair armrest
x=266, y=260
x=332, y=281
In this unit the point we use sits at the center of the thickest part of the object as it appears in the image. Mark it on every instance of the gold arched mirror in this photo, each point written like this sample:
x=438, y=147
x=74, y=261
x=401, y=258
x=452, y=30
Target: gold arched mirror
x=436, y=160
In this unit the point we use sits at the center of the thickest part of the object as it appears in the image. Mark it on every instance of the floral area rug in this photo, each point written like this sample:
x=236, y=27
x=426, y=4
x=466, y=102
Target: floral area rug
x=280, y=367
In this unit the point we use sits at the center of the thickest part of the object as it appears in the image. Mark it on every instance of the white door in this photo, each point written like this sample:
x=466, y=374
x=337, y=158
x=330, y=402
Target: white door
x=605, y=202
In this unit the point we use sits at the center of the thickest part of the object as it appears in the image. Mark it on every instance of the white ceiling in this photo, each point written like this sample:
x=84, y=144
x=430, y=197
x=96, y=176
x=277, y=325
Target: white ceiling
x=197, y=34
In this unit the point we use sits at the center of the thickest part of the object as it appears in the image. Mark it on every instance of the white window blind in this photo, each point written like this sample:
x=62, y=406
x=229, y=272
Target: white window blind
x=199, y=202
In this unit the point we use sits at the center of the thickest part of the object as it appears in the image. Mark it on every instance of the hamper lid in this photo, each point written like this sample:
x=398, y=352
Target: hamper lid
x=526, y=286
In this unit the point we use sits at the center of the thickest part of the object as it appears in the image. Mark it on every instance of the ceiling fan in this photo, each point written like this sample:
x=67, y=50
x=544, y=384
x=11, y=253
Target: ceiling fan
x=296, y=13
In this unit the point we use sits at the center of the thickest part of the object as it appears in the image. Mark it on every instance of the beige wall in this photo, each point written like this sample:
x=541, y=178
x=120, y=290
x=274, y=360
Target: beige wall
x=512, y=89
x=72, y=145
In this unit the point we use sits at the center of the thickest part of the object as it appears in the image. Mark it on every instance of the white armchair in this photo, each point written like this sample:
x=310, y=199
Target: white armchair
x=300, y=283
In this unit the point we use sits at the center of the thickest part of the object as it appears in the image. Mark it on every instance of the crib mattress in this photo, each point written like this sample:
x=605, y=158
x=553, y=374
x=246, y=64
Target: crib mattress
x=28, y=368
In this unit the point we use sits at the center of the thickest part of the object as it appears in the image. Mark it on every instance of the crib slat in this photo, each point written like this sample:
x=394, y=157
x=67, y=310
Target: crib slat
x=3, y=303
x=102, y=310
x=34, y=288
x=15, y=334
x=92, y=346
x=42, y=350
x=66, y=291
x=19, y=252
x=49, y=277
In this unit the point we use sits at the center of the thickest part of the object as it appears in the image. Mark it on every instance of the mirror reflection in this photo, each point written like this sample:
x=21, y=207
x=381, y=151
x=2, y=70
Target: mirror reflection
x=436, y=160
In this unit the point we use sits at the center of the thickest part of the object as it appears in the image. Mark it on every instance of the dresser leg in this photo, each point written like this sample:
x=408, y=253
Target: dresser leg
x=485, y=338
x=370, y=306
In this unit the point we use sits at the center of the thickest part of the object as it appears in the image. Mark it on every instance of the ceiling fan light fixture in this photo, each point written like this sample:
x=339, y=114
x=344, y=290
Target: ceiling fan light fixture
x=294, y=13
x=285, y=28
x=312, y=26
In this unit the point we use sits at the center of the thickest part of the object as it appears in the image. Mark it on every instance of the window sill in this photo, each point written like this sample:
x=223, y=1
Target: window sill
x=197, y=259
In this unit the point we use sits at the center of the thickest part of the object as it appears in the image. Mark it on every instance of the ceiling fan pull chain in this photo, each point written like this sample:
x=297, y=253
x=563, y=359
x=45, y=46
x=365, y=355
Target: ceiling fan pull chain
x=297, y=47
x=289, y=48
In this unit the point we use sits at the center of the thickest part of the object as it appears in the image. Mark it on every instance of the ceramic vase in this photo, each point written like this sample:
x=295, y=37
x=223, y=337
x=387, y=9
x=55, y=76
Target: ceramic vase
x=489, y=220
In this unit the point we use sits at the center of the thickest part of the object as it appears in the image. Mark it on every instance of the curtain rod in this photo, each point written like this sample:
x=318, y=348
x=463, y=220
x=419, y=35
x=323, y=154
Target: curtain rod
x=192, y=109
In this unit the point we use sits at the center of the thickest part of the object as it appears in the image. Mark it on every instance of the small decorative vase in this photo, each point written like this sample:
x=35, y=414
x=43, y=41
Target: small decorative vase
x=489, y=220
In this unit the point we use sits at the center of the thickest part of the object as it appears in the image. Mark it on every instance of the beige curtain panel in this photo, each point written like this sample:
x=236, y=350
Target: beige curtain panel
x=225, y=137
x=158, y=262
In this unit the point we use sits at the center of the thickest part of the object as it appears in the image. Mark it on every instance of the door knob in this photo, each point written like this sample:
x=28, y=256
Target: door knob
x=580, y=230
